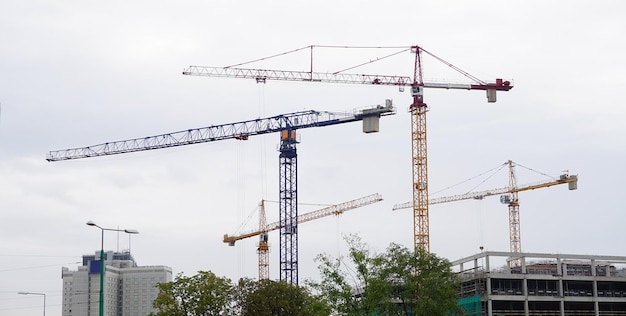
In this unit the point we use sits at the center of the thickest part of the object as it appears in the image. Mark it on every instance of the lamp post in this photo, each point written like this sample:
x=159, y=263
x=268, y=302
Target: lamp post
x=128, y=231
x=33, y=293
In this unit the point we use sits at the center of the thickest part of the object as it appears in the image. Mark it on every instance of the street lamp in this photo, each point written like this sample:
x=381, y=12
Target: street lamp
x=33, y=293
x=128, y=231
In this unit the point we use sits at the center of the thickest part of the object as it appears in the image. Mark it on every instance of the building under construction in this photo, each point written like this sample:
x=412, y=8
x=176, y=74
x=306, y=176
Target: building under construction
x=507, y=283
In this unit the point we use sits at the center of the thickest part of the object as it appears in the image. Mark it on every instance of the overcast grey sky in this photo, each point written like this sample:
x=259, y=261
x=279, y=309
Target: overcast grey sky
x=78, y=73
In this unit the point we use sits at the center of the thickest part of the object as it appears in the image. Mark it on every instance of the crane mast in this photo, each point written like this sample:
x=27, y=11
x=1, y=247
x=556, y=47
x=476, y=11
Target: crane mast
x=514, y=221
x=417, y=110
x=264, y=228
x=286, y=124
x=263, y=250
x=288, y=206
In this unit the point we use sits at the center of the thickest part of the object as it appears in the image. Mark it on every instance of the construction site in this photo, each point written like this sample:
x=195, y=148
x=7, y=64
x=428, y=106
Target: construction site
x=542, y=284
x=493, y=283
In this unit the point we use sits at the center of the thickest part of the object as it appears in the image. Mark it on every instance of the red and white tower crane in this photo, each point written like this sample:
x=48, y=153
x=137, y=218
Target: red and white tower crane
x=418, y=109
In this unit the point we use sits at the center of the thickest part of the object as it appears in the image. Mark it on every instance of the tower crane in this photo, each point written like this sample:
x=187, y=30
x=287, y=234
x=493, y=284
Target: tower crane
x=509, y=197
x=286, y=124
x=264, y=228
x=418, y=109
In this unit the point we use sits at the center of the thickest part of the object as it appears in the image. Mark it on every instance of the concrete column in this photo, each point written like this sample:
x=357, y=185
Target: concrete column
x=593, y=267
x=526, y=313
x=561, y=296
x=596, y=306
x=525, y=288
x=487, y=263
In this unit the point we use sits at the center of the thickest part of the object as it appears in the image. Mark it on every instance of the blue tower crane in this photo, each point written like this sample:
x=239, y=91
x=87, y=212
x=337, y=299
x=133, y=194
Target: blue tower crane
x=286, y=124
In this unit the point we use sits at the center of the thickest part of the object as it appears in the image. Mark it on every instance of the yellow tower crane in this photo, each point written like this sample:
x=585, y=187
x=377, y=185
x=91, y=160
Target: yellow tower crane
x=264, y=228
x=510, y=197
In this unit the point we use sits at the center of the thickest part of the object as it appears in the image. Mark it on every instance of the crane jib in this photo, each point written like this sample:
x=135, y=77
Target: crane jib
x=262, y=75
x=240, y=130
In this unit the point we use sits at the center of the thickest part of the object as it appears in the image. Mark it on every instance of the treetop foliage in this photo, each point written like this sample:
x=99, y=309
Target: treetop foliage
x=397, y=281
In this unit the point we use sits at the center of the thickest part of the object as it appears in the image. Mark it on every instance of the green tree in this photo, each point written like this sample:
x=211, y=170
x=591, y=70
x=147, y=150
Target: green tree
x=348, y=291
x=277, y=298
x=424, y=283
x=203, y=294
x=396, y=282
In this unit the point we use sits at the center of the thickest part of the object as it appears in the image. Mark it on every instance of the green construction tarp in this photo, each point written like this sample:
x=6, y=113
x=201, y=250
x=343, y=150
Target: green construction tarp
x=471, y=305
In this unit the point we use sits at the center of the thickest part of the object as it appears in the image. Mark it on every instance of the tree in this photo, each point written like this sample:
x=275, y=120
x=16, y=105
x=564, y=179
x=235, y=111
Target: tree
x=424, y=282
x=205, y=294
x=350, y=292
x=202, y=294
x=396, y=282
x=277, y=298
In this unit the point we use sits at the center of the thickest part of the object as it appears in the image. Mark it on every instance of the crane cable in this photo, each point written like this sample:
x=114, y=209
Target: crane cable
x=480, y=210
x=371, y=61
x=311, y=47
x=245, y=222
x=241, y=177
x=539, y=172
x=404, y=49
x=263, y=148
x=498, y=168
x=494, y=170
x=240, y=196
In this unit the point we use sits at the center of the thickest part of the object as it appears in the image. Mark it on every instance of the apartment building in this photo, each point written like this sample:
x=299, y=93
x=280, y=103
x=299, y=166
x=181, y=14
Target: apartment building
x=129, y=289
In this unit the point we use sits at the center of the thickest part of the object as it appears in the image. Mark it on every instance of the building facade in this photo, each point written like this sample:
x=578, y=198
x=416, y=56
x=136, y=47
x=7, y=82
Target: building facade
x=505, y=283
x=129, y=289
